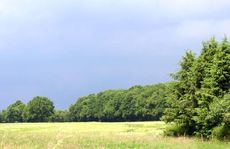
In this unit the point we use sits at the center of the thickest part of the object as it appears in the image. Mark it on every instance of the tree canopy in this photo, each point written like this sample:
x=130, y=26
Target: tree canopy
x=39, y=109
x=14, y=112
x=200, y=103
x=139, y=103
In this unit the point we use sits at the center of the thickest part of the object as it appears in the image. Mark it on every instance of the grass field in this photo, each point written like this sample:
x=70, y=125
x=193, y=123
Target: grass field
x=96, y=135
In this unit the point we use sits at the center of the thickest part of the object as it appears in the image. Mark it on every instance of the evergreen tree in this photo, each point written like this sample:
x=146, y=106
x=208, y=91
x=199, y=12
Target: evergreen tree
x=183, y=101
x=199, y=103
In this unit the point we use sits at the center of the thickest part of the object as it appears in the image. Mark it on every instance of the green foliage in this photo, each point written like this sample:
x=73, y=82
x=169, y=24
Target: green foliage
x=60, y=116
x=201, y=102
x=39, y=109
x=1, y=117
x=183, y=101
x=174, y=130
x=135, y=104
x=221, y=132
x=14, y=112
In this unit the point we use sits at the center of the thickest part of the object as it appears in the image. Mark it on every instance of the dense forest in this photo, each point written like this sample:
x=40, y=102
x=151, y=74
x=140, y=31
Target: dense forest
x=139, y=103
x=196, y=102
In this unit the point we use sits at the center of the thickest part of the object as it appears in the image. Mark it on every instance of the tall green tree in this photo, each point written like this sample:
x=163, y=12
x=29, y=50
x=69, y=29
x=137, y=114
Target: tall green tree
x=198, y=102
x=221, y=68
x=213, y=89
x=14, y=112
x=39, y=109
x=183, y=101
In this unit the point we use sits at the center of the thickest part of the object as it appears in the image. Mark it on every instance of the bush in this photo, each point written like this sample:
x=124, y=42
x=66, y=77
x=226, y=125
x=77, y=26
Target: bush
x=174, y=130
x=221, y=132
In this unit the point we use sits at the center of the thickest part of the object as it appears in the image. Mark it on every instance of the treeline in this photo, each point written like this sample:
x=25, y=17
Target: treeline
x=139, y=103
x=39, y=109
x=200, y=103
x=135, y=104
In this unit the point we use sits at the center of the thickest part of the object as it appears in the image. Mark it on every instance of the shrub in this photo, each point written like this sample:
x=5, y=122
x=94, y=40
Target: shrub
x=174, y=130
x=221, y=132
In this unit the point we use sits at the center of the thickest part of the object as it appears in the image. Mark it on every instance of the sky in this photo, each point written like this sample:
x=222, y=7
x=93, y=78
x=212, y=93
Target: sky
x=65, y=49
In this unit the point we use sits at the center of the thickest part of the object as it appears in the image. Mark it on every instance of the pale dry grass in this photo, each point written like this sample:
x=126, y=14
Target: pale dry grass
x=95, y=135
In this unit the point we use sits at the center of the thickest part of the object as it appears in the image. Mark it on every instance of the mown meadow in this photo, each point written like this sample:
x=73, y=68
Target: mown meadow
x=143, y=135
